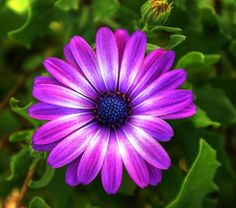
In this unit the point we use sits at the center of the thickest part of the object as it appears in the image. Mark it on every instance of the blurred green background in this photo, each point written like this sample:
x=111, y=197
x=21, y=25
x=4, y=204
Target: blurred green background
x=203, y=150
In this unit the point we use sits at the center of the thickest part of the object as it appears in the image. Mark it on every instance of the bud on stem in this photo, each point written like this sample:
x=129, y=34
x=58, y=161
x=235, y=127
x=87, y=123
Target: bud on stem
x=156, y=12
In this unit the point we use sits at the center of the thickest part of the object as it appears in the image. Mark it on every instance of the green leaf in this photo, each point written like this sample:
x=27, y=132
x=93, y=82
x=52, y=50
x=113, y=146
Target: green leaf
x=45, y=180
x=165, y=28
x=175, y=40
x=105, y=8
x=20, y=163
x=19, y=136
x=211, y=59
x=171, y=181
x=67, y=5
x=22, y=111
x=201, y=120
x=189, y=59
x=196, y=62
x=199, y=180
x=38, y=202
x=217, y=105
x=40, y=13
x=151, y=47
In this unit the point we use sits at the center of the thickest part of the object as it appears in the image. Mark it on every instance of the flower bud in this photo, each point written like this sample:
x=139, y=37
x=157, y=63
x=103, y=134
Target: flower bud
x=156, y=12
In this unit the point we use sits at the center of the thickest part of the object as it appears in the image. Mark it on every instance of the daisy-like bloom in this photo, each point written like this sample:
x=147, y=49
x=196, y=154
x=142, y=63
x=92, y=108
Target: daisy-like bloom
x=105, y=110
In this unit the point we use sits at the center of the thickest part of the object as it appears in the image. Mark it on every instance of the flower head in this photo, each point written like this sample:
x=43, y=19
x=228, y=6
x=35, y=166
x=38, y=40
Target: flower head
x=156, y=12
x=105, y=110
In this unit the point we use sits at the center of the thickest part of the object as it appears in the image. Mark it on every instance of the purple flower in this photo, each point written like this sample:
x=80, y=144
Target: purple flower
x=106, y=110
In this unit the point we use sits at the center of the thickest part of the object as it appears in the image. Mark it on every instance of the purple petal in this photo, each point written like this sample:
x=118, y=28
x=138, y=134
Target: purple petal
x=71, y=173
x=147, y=63
x=44, y=111
x=132, y=60
x=69, y=76
x=121, y=37
x=112, y=167
x=134, y=163
x=70, y=58
x=87, y=61
x=155, y=175
x=147, y=147
x=107, y=54
x=168, y=81
x=72, y=146
x=154, y=126
x=93, y=157
x=156, y=63
x=165, y=103
x=46, y=80
x=184, y=113
x=45, y=147
x=57, y=129
x=61, y=96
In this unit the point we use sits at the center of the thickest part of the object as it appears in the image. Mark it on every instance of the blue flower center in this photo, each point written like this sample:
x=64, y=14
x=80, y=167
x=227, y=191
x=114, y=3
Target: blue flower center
x=112, y=109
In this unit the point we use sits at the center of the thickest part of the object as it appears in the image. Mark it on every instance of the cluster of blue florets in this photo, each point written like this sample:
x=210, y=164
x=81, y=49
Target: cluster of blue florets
x=112, y=109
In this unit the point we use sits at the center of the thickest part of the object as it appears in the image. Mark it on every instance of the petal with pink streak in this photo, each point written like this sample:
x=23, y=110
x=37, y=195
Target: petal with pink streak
x=155, y=64
x=70, y=58
x=133, y=162
x=69, y=76
x=132, y=60
x=71, y=173
x=44, y=111
x=121, y=37
x=112, y=167
x=61, y=96
x=147, y=147
x=87, y=61
x=57, y=129
x=108, y=59
x=155, y=175
x=166, y=82
x=184, y=113
x=93, y=157
x=46, y=80
x=165, y=103
x=45, y=147
x=72, y=146
x=156, y=127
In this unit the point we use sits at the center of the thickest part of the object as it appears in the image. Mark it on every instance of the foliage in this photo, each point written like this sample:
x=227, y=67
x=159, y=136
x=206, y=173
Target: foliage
x=199, y=181
x=203, y=35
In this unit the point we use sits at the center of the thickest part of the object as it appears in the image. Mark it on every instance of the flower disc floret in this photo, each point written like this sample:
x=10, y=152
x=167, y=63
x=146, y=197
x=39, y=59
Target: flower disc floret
x=112, y=109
